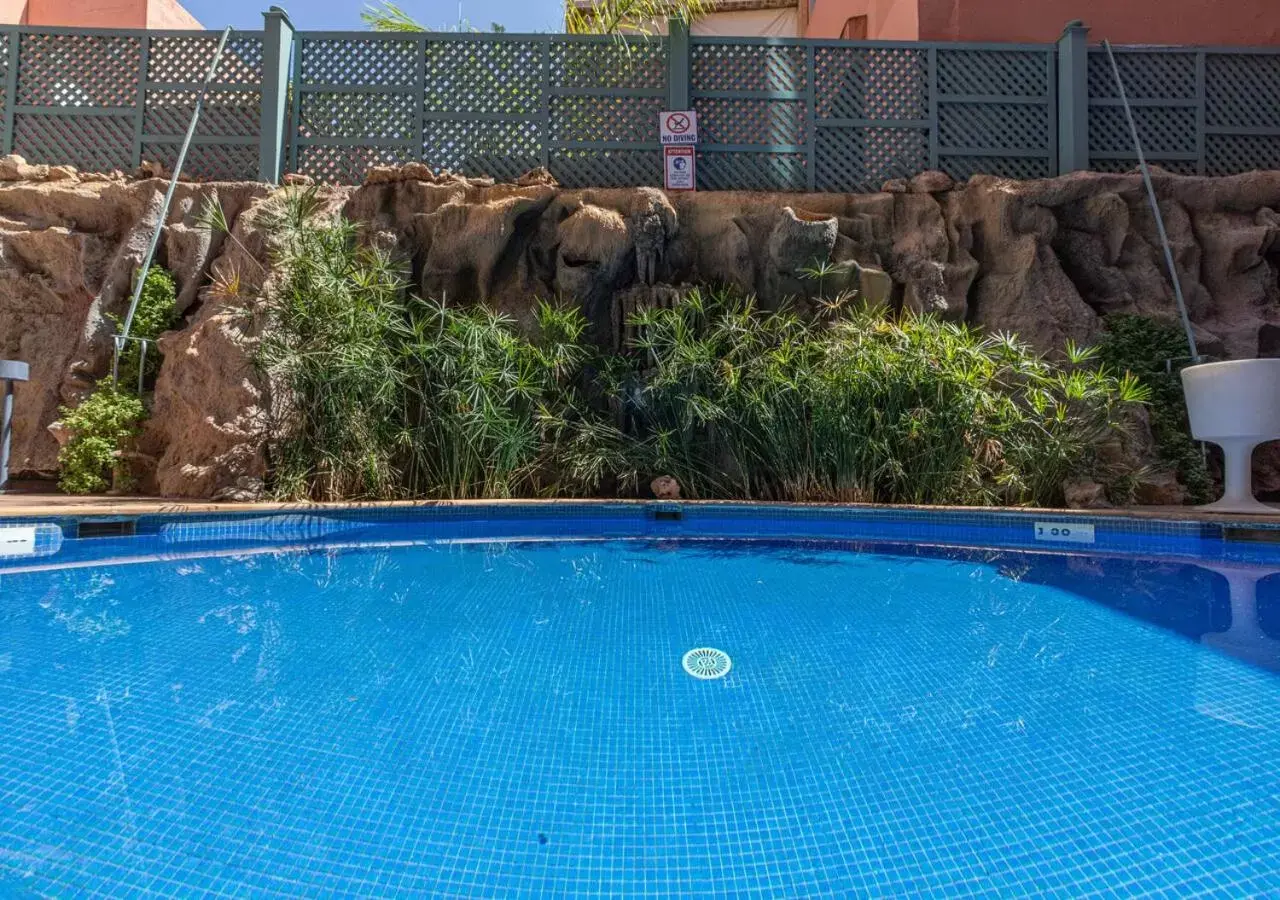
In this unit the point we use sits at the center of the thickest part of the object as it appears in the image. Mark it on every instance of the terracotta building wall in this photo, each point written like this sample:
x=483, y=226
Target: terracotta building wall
x=97, y=13
x=170, y=14
x=887, y=20
x=1121, y=21
x=13, y=12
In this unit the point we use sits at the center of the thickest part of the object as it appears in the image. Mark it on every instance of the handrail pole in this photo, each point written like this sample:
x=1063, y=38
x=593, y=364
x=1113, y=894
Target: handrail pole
x=1155, y=208
x=168, y=197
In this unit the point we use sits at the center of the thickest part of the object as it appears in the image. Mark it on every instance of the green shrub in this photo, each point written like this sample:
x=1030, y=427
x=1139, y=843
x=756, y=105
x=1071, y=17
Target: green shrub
x=98, y=427
x=156, y=314
x=857, y=406
x=381, y=395
x=500, y=414
x=329, y=342
x=1156, y=352
x=89, y=462
x=389, y=396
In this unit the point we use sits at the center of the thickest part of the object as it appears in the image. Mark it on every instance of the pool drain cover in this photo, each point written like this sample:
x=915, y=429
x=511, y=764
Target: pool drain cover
x=706, y=663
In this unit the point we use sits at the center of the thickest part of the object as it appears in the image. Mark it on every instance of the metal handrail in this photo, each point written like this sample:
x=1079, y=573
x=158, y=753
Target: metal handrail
x=1155, y=208
x=10, y=371
x=120, y=339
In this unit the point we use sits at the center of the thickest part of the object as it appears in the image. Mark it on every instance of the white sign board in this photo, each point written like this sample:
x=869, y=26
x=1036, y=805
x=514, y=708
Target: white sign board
x=678, y=126
x=679, y=163
x=1067, y=532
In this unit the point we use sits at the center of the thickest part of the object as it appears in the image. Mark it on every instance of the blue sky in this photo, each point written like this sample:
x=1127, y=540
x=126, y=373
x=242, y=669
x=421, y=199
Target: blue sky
x=516, y=15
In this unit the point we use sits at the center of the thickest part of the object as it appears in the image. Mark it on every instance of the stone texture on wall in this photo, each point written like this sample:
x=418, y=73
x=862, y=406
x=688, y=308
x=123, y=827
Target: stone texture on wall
x=1046, y=259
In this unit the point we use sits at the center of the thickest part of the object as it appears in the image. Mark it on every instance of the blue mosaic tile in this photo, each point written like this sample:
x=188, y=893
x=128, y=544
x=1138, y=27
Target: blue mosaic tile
x=477, y=701
x=25, y=539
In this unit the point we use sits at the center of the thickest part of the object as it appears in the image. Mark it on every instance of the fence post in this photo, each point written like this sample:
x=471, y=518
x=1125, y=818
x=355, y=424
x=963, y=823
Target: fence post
x=140, y=105
x=1073, y=98
x=14, y=64
x=811, y=118
x=277, y=45
x=677, y=63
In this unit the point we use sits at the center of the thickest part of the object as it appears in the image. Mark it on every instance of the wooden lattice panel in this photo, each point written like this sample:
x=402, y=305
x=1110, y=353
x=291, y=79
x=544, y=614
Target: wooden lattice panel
x=862, y=159
x=347, y=165
x=1243, y=91
x=1154, y=75
x=1163, y=129
x=512, y=147
x=357, y=115
x=186, y=59
x=498, y=167
x=360, y=62
x=860, y=82
x=225, y=113
x=751, y=121
x=731, y=171
x=5, y=38
x=1229, y=154
x=209, y=162
x=989, y=126
x=1161, y=85
x=577, y=117
x=994, y=72
x=87, y=70
x=606, y=168
x=594, y=63
x=92, y=143
x=746, y=67
x=501, y=77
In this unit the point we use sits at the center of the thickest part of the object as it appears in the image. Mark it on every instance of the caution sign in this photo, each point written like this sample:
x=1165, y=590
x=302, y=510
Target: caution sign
x=678, y=126
x=679, y=163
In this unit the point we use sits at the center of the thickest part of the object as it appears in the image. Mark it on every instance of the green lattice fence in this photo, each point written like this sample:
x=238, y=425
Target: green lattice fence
x=847, y=116
x=774, y=114
x=1208, y=111
x=584, y=106
x=103, y=100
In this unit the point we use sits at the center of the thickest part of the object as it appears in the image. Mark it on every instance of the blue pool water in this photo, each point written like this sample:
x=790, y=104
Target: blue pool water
x=500, y=718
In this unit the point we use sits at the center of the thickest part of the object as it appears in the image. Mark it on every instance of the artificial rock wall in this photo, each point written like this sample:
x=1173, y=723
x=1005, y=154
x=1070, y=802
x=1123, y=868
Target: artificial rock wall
x=1046, y=259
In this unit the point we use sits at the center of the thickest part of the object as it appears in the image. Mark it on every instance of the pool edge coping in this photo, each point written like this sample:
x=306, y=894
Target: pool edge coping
x=12, y=508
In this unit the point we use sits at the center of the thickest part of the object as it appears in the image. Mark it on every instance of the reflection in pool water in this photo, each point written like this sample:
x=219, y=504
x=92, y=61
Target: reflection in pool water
x=497, y=719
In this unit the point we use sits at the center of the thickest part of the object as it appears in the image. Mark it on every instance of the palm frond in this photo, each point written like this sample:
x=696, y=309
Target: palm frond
x=387, y=16
x=630, y=17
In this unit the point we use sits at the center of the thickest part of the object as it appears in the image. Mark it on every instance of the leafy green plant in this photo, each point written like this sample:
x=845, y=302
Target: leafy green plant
x=629, y=17
x=616, y=17
x=383, y=395
x=855, y=405
x=98, y=427
x=156, y=313
x=388, y=16
x=1156, y=352
x=498, y=413
x=89, y=462
x=328, y=347
x=379, y=394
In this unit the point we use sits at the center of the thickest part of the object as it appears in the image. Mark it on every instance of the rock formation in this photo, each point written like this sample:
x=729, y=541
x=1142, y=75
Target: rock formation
x=1046, y=259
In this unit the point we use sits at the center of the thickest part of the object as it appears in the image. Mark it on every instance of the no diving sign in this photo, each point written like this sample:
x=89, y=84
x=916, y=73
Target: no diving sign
x=678, y=129
x=678, y=163
x=678, y=126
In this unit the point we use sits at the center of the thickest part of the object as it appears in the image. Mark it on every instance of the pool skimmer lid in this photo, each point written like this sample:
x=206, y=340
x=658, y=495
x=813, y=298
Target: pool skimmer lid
x=707, y=663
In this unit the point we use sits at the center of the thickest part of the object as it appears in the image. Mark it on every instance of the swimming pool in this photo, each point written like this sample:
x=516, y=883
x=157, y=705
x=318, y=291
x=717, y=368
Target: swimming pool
x=493, y=702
